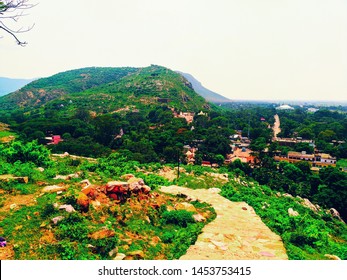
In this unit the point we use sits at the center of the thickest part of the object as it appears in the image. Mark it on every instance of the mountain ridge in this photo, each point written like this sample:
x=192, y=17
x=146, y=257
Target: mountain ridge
x=209, y=95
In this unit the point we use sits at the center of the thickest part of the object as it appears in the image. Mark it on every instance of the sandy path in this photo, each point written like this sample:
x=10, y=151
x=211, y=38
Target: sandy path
x=237, y=233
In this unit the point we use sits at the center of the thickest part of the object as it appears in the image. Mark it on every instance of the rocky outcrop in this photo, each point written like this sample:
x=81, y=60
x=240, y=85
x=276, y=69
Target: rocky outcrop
x=292, y=213
x=83, y=201
x=305, y=202
x=67, y=177
x=333, y=212
x=121, y=190
x=11, y=178
x=67, y=207
x=54, y=188
x=332, y=257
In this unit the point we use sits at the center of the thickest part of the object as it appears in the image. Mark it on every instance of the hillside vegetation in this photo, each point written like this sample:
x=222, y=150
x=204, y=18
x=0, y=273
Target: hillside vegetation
x=42, y=224
x=115, y=88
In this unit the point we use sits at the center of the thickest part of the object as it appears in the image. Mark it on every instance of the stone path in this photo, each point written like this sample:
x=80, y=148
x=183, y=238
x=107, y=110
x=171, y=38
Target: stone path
x=237, y=233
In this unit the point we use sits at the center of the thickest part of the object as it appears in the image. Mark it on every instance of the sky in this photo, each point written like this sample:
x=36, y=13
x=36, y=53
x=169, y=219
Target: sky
x=242, y=49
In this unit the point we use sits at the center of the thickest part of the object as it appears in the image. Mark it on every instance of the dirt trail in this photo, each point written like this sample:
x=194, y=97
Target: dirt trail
x=237, y=233
x=7, y=253
x=276, y=128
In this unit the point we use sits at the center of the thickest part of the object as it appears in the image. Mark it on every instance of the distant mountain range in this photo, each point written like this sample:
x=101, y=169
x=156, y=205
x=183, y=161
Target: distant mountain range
x=204, y=92
x=8, y=85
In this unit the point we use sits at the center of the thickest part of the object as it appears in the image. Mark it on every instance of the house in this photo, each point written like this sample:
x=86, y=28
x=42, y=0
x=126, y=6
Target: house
x=53, y=140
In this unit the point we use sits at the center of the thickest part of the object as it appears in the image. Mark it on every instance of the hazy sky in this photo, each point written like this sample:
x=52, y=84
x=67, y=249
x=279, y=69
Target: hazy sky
x=242, y=49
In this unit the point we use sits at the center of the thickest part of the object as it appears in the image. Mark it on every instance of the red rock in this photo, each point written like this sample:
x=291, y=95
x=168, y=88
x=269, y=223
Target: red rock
x=244, y=208
x=113, y=196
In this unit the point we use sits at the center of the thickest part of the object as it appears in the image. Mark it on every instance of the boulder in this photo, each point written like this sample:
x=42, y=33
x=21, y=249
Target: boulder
x=66, y=177
x=135, y=184
x=119, y=257
x=83, y=201
x=85, y=183
x=56, y=220
x=292, y=213
x=199, y=218
x=73, y=176
x=146, y=189
x=310, y=205
x=127, y=176
x=185, y=206
x=60, y=177
x=90, y=191
x=101, y=234
x=52, y=189
x=67, y=207
x=116, y=186
x=332, y=257
x=333, y=212
x=113, y=252
x=13, y=206
x=137, y=254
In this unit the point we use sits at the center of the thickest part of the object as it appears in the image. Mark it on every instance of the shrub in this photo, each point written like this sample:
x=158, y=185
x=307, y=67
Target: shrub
x=178, y=217
x=29, y=152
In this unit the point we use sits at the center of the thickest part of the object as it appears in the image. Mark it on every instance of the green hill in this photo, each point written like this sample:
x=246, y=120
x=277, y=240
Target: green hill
x=107, y=89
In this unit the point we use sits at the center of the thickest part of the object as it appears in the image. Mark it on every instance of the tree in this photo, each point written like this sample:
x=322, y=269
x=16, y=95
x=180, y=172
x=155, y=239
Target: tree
x=12, y=11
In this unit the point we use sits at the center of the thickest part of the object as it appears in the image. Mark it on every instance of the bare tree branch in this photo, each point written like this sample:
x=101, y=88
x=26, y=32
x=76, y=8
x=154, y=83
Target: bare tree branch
x=13, y=10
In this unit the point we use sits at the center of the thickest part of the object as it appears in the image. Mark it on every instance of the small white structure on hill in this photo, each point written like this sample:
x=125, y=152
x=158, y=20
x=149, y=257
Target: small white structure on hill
x=284, y=107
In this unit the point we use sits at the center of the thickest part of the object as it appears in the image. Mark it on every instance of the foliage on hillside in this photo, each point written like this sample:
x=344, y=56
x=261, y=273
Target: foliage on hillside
x=43, y=90
x=139, y=228
x=106, y=90
x=310, y=235
x=143, y=227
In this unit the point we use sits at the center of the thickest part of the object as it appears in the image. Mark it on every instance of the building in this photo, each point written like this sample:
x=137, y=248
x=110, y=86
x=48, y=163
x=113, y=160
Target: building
x=316, y=160
x=53, y=140
x=284, y=107
x=243, y=154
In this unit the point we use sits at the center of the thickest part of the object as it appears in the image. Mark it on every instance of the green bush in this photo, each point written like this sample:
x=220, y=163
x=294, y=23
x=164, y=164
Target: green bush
x=178, y=217
x=28, y=152
x=73, y=228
